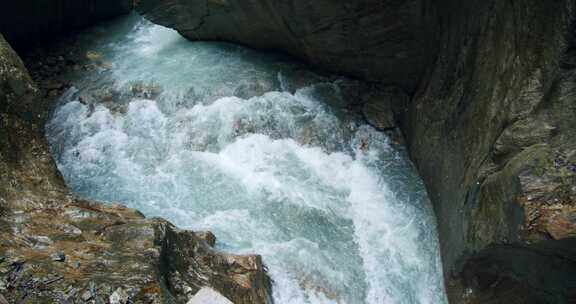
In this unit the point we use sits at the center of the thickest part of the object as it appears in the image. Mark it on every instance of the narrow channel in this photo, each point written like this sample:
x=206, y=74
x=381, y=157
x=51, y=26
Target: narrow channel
x=214, y=136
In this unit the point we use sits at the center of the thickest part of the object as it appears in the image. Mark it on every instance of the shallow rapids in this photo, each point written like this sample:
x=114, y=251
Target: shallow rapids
x=217, y=137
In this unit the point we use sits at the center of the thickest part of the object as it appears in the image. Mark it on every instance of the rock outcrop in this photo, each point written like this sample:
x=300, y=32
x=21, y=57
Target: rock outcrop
x=520, y=274
x=29, y=23
x=490, y=127
x=57, y=248
x=388, y=41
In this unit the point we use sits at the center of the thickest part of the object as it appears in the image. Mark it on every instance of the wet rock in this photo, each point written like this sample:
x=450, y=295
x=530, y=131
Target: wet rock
x=208, y=295
x=293, y=80
x=241, y=279
x=71, y=229
x=86, y=296
x=119, y=296
x=18, y=94
x=51, y=85
x=379, y=107
x=520, y=135
x=207, y=236
x=253, y=88
x=58, y=257
x=521, y=274
x=148, y=91
x=487, y=123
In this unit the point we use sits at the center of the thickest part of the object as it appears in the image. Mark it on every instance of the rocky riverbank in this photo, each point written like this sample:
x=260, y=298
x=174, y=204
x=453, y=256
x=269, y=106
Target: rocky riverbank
x=56, y=247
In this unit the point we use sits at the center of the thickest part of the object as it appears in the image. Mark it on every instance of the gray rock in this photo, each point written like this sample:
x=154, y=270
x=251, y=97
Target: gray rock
x=86, y=295
x=207, y=236
x=119, y=296
x=253, y=88
x=208, y=295
x=58, y=257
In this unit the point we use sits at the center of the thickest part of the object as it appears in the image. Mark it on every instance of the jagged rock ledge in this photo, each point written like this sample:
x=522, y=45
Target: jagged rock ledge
x=58, y=248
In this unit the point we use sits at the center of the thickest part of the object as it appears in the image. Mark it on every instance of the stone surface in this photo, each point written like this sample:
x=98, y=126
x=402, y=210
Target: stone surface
x=28, y=23
x=379, y=107
x=208, y=295
x=389, y=41
x=502, y=84
x=521, y=274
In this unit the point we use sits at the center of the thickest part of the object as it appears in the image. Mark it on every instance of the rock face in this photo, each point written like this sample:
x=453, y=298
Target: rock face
x=491, y=126
x=490, y=129
x=520, y=274
x=25, y=23
x=387, y=41
x=57, y=248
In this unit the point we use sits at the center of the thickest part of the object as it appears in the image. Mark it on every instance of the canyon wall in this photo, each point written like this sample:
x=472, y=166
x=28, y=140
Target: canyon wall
x=490, y=131
x=490, y=124
x=490, y=127
x=29, y=23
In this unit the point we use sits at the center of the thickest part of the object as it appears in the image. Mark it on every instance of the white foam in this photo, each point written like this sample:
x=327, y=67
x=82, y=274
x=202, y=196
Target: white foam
x=327, y=203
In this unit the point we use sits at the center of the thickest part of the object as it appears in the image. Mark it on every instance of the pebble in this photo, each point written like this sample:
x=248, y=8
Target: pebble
x=119, y=296
x=87, y=295
x=3, y=285
x=58, y=257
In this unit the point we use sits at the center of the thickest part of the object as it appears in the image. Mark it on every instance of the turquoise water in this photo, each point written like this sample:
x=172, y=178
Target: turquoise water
x=208, y=136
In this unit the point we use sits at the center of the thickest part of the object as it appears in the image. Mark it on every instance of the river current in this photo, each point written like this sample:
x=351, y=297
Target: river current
x=213, y=136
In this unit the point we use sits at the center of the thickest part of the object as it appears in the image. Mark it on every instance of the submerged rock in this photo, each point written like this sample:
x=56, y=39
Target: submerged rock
x=379, y=106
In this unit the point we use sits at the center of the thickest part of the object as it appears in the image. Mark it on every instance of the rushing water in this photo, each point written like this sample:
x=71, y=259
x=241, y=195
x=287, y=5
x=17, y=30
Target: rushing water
x=337, y=213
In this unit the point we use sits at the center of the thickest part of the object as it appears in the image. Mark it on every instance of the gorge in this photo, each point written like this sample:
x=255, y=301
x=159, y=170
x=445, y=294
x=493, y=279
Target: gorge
x=481, y=90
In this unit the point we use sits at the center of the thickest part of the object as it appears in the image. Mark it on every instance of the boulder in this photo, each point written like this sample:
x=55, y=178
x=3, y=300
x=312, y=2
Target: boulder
x=380, y=106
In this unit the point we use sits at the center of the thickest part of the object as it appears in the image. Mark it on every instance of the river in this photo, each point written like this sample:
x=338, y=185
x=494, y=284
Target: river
x=214, y=136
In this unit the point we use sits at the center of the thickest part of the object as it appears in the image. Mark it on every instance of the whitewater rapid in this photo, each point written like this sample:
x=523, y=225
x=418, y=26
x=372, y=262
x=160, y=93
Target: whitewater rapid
x=174, y=129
